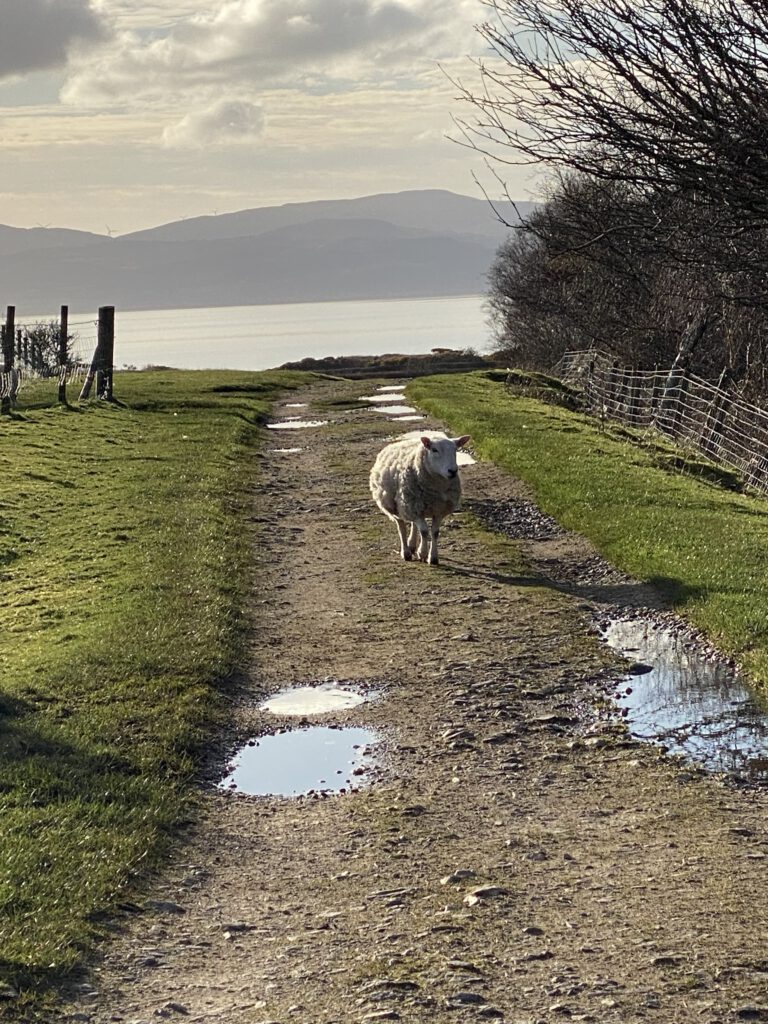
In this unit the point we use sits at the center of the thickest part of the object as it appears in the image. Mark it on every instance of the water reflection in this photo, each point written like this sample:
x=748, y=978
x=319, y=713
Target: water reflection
x=694, y=705
x=318, y=759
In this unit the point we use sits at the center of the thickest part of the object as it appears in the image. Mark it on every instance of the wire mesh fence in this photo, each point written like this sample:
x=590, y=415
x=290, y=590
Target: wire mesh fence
x=693, y=412
x=42, y=357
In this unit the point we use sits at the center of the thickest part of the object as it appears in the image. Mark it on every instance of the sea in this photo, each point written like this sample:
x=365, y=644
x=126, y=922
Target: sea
x=262, y=337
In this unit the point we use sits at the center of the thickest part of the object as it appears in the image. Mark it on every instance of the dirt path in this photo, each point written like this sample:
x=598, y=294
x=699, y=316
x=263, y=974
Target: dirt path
x=619, y=886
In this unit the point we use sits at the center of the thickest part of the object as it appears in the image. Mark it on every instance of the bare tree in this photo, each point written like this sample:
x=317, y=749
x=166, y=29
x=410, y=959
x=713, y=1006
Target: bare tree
x=664, y=95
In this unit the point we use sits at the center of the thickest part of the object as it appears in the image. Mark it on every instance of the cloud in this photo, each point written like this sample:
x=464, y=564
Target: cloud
x=38, y=34
x=224, y=122
x=269, y=42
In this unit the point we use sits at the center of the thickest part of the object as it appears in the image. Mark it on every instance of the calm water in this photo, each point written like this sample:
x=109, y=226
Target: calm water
x=695, y=706
x=260, y=337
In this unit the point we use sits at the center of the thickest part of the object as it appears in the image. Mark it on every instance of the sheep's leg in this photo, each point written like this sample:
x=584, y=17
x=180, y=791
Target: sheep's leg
x=406, y=552
x=433, y=559
x=421, y=525
x=413, y=539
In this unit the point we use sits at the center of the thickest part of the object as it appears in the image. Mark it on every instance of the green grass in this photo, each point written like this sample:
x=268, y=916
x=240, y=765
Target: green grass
x=705, y=547
x=123, y=575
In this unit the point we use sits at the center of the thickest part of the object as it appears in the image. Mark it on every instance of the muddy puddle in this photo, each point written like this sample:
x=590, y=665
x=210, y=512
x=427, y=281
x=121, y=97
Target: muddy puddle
x=695, y=705
x=316, y=760
x=391, y=387
x=286, y=451
x=314, y=700
x=296, y=424
x=395, y=410
x=383, y=397
x=464, y=459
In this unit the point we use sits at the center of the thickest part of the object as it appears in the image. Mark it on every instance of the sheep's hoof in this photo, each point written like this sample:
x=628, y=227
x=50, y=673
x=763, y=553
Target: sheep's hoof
x=434, y=561
x=407, y=555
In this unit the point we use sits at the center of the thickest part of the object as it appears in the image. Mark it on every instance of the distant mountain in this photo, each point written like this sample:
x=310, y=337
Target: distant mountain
x=28, y=239
x=401, y=245
x=427, y=209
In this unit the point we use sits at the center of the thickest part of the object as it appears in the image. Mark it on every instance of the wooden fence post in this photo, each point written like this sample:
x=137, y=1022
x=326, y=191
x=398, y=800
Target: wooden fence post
x=103, y=356
x=106, y=343
x=9, y=334
x=63, y=353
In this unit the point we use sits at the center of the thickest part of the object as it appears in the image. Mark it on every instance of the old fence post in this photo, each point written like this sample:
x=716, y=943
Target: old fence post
x=107, y=345
x=63, y=353
x=103, y=356
x=9, y=334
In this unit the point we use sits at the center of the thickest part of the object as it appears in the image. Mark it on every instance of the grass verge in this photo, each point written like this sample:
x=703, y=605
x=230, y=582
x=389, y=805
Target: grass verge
x=123, y=574
x=704, y=547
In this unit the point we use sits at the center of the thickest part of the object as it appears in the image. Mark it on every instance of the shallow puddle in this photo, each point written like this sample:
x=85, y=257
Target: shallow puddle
x=286, y=451
x=296, y=424
x=391, y=387
x=314, y=760
x=314, y=700
x=695, y=706
x=394, y=410
x=395, y=397
x=296, y=405
x=464, y=459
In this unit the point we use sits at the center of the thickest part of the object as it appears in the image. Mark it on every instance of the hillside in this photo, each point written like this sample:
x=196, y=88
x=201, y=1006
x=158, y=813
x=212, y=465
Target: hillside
x=399, y=245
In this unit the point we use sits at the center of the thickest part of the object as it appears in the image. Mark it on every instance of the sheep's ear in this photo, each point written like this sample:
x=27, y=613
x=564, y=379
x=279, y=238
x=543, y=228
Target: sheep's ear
x=461, y=441
x=427, y=442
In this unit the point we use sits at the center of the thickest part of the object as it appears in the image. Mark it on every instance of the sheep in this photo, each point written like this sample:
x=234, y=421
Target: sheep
x=416, y=478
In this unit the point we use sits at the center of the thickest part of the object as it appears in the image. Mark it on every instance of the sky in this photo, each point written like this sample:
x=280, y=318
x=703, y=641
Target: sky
x=116, y=115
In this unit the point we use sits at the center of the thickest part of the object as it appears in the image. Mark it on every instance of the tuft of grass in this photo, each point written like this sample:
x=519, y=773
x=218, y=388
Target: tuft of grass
x=704, y=547
x=124, y=563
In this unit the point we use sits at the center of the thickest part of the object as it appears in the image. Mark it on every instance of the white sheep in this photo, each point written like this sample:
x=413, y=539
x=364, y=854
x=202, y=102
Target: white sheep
x=414, y=479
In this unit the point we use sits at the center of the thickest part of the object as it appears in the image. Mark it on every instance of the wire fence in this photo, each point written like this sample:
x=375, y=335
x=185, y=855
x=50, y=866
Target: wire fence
x=55, y=351
x=694, y=413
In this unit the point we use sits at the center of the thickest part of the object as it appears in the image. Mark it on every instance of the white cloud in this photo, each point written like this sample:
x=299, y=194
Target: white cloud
x=269, y=42
x=223, y=122
x=38, y=34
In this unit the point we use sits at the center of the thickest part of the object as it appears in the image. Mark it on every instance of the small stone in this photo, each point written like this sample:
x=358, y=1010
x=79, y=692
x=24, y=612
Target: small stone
x=458, y=876
x=752, y=1013
x=489, y=892
x=533, y=930
x=464, y=965
x=545, y=954
x=382, y=1015
x=490, y=1013
x=666, y=961
x=8, y=991
x=468, y=998
x=537, y=855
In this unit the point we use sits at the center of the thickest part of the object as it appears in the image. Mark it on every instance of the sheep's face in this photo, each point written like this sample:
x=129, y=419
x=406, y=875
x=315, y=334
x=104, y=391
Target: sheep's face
x=440, y=458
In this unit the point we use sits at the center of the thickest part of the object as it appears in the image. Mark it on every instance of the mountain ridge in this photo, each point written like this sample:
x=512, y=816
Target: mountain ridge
x=390, y=245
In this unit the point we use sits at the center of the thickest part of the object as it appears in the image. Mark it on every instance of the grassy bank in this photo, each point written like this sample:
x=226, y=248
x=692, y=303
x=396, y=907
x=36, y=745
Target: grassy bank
x=123, y=573
x=705, y=547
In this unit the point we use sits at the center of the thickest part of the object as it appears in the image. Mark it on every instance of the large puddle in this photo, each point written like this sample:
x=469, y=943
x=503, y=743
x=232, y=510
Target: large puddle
x=695, y=706
x=314, y=700
x=318, y=760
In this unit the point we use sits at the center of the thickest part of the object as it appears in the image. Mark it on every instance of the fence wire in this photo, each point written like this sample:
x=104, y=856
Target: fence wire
x=33, y=363
x=693, y=412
